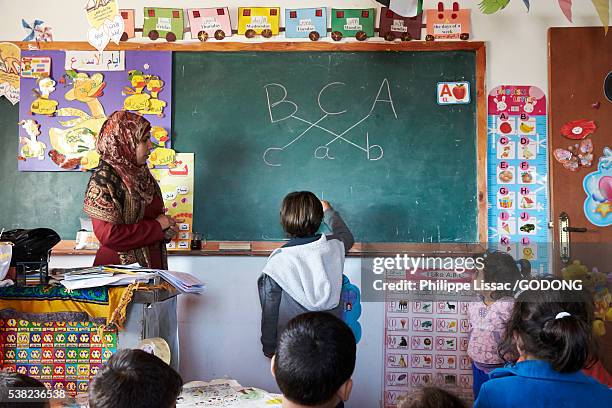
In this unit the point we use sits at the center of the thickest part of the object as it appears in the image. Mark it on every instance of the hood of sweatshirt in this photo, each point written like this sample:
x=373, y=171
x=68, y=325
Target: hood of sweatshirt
x=311, y=273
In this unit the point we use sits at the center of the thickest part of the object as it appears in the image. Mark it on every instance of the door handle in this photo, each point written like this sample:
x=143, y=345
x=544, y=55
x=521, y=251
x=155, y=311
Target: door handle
x=575, y=229
x=564, y=238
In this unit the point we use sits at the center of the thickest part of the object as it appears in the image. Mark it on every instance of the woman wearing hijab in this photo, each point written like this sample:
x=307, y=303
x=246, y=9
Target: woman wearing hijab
x=124, y=200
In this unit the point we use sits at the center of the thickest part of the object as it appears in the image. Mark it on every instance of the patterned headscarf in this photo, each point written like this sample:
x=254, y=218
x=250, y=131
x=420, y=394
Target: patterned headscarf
x=119, y=136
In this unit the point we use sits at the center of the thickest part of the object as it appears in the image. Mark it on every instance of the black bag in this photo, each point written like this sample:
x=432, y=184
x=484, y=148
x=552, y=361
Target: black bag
x=33, y=245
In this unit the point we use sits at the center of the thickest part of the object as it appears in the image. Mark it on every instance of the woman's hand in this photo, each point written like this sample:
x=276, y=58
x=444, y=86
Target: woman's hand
x=165, y=221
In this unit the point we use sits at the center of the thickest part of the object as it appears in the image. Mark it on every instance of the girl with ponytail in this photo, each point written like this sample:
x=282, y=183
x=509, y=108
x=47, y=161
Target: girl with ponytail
x=551, y=330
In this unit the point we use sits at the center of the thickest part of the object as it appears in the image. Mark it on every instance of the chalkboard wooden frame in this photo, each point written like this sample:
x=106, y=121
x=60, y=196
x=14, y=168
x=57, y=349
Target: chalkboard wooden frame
x=263, y=248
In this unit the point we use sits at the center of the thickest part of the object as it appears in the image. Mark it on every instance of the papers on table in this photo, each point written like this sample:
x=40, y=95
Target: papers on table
x=183, y=281
x=117, y=275
x=118, y=279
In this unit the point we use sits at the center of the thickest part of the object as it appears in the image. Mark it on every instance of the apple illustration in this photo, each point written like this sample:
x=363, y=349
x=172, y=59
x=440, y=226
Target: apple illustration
x=505, y=127
x=459, y=91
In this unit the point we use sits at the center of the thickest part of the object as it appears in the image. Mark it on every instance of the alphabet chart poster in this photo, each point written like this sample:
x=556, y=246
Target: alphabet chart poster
x=518, y=173
x=426, y=337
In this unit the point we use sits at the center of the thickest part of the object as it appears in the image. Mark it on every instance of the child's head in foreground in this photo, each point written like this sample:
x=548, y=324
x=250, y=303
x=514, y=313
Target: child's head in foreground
x=430, y=397
x=314, y=360
x=135, y=379
x=19, y=381
x=301, y=214
x=554, y=326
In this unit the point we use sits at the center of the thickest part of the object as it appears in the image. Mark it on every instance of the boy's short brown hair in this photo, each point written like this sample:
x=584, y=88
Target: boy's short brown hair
x=301, y=214
x=430, y=397
x=135, y=379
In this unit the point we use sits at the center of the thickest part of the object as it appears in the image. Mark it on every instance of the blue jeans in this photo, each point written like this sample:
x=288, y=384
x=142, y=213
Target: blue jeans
x=480, y=377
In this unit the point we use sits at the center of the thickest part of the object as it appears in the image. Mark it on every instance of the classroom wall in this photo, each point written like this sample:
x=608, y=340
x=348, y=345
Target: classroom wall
x=219, y=331
x=516, y=40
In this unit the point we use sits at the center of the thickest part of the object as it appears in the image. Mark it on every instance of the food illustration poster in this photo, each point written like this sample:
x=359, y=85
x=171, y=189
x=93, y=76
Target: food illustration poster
x=517, y=173
x=426, y=339
x=70, y=106
x=176, y=184
x=9, y=71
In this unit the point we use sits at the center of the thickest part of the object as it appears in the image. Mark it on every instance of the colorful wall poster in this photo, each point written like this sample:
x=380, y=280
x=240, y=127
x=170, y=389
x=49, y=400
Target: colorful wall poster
x=10, y=67
x=517, y=174
x=176, y=184
x=105, y=23
x=426, y=337
x=62, y=355
x=70, y=106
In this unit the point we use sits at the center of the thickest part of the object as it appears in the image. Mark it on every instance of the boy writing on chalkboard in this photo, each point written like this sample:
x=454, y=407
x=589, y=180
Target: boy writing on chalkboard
x=305, y=274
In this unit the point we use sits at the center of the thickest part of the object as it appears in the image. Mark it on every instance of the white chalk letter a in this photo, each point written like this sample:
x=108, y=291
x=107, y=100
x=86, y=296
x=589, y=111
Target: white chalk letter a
x=389, y=100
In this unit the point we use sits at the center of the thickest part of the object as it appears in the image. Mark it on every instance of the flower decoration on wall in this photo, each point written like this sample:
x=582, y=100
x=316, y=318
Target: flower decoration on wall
x=578, y=129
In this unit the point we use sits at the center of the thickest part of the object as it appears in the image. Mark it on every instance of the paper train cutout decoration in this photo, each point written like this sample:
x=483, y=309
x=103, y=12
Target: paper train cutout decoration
x=215, y=22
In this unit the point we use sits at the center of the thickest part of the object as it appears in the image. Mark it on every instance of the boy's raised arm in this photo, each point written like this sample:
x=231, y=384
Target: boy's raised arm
x=339, y=228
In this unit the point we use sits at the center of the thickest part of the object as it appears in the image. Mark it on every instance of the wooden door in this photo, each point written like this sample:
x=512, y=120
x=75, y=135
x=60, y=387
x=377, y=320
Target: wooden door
x=580, y=60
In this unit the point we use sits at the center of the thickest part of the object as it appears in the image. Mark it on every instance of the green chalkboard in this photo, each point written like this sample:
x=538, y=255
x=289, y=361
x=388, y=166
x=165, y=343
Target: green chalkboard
x=254, y=143
x=35, y=199
x=400, y=171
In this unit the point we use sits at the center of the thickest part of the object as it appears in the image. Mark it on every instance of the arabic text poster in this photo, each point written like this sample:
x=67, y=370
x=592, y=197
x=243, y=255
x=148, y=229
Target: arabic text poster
x=518, y=174
x=61, y=115
x=426, y=338
x=176, y=184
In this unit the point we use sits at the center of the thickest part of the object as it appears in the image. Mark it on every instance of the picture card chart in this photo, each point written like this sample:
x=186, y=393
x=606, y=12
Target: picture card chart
x=426, y=338
x=62, y=355
x=518, y=173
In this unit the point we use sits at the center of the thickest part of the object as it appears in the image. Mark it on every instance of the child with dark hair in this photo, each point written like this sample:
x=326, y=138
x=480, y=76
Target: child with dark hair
x=314, y=361
x=305, y=274
x=16, y=381
x=488, y=317
x=430, y=397
x=135, y=379
x=552, y=333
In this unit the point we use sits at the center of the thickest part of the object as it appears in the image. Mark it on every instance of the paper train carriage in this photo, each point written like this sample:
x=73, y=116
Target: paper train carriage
x=312, y=23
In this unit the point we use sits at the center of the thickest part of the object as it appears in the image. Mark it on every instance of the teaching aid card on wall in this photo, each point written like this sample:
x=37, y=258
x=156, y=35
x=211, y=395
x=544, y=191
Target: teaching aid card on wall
x=518, y=174
x=9, y=71
x=62, y=111
x=176, y=184
x=426, y=334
